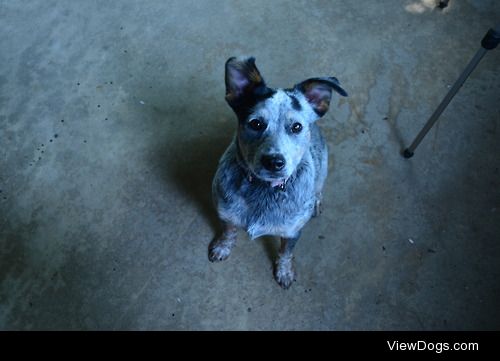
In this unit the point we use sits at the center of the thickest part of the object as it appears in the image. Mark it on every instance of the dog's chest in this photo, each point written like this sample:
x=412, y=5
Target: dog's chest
x=280, y=213
x=264, y=210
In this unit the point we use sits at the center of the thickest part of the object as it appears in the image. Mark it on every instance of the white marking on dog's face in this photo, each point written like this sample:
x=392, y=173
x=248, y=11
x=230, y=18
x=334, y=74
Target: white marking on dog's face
x=283, y=129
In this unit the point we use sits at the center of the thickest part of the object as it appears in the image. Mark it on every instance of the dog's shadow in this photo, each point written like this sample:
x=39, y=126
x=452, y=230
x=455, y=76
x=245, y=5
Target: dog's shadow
x=190, y=165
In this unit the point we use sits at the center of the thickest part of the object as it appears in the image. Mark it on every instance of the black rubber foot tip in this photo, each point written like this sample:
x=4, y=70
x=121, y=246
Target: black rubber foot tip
x=407, y=154
x=443, y=3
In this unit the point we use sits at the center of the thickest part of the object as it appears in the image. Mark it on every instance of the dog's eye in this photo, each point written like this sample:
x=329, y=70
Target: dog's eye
x=296, y=128
x=257, y=124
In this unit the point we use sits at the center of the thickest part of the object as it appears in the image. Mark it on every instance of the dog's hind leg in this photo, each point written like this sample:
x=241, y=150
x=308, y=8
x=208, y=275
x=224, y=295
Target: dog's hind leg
x=284, y=272
x=220, y=248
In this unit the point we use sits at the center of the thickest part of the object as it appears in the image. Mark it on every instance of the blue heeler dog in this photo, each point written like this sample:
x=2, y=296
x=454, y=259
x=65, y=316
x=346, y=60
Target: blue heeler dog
x=270, y=178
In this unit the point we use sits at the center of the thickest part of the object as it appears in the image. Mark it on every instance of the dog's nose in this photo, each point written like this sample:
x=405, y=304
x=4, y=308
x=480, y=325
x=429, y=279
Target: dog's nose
x=273, y=162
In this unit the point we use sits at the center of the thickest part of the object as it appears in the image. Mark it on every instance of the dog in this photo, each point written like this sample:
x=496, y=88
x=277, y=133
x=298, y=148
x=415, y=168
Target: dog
x=269, y=180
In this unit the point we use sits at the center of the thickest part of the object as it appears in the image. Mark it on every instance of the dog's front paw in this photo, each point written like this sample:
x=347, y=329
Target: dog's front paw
x=219, y=249
x=284, y=273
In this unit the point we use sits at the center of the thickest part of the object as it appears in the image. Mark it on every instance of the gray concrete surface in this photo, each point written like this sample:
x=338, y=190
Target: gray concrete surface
x=112, y=119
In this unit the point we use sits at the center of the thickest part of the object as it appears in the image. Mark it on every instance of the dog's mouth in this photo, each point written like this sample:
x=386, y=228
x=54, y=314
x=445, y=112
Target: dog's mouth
x=278, y=183
x=275, y=180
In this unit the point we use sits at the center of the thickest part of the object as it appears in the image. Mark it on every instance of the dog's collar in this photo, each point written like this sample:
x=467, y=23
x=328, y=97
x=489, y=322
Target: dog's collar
x=279, y=185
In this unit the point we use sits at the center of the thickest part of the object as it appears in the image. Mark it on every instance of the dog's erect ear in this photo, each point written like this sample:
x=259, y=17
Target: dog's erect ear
x=318, y=92
x=243, y=80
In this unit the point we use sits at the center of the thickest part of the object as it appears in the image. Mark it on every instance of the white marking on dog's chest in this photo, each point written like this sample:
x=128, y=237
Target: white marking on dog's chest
x=287, y=229
x=278, y=221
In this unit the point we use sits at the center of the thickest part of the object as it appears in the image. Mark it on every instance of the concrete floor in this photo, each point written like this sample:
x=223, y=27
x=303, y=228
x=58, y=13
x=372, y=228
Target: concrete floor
x=112, y=120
